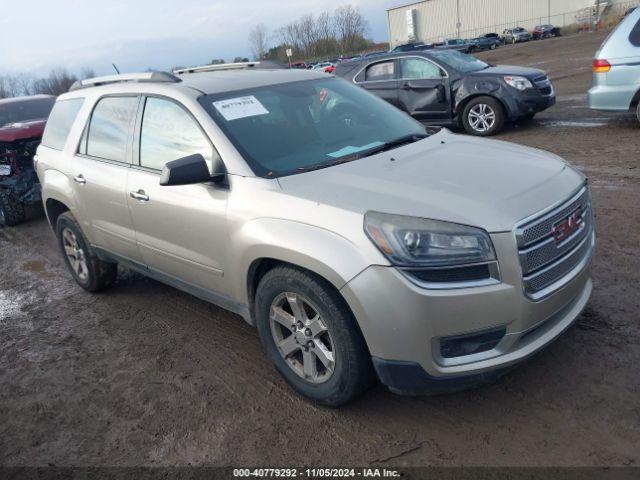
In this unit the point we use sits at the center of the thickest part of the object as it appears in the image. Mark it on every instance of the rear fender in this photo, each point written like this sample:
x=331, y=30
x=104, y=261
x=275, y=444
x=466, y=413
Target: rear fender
x=56, y=186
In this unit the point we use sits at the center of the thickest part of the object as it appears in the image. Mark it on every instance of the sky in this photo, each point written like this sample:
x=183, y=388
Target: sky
x=38, y=35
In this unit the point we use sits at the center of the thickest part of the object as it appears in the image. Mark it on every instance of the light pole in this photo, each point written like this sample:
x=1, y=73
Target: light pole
x=549, y=19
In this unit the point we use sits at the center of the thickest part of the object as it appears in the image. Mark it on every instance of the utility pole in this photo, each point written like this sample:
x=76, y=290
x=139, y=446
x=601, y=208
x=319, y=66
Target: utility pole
x=549, y=10
x=597, y=19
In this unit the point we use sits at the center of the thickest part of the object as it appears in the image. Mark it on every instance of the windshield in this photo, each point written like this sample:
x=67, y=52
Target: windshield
x=25, y=110
x=460, y=61
x=288, y=128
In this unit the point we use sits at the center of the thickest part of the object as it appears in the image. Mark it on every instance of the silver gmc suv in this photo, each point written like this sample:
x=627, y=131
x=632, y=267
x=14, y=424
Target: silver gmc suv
x=360, y=244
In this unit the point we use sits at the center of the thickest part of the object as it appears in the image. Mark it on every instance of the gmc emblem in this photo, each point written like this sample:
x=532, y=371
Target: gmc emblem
x=567, y=227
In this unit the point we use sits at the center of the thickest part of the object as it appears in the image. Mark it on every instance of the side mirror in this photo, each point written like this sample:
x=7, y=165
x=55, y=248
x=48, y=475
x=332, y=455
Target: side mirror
x=187, y=171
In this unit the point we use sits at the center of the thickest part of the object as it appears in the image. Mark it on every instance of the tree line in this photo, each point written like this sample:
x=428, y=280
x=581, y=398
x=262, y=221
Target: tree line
x=326, y=35
x=56, y=83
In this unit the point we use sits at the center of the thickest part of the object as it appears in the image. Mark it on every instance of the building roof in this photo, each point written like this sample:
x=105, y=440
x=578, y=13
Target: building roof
x=406, y=5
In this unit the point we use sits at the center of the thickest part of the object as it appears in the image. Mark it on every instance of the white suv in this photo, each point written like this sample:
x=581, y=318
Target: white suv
x=358, y=242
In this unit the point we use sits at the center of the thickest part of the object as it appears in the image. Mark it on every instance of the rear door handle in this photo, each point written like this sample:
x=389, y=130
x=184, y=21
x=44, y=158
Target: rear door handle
x=80, y=179
x=140, y=196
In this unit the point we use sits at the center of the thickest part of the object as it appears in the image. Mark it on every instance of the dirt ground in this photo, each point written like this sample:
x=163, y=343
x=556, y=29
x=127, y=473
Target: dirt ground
x=144, y=374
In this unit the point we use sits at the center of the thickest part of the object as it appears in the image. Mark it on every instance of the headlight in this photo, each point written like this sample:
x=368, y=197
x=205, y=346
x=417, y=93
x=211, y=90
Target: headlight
x=419, y=242
x=519, y=83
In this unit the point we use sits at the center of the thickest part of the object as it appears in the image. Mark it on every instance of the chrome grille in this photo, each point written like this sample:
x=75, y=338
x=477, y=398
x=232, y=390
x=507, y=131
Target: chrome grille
x=546, y=262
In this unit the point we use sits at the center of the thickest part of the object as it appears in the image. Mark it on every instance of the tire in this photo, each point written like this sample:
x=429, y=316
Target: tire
x=493, y=46
x=638, y=112
x=12, y=211
x=483, y=121
x=337, y=367
x=87, y=269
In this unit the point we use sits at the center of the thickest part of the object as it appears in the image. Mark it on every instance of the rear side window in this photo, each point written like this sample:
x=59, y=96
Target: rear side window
x=60, y=121
x=634, y=37
x=381, y=71
x=109, y=128
x=169, y=133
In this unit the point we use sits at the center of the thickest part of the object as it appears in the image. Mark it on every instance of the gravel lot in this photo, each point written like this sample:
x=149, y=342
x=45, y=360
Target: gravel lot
x=146, y=375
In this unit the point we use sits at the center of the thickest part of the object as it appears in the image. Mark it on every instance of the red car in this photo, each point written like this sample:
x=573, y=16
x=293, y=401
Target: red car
x=22, y=122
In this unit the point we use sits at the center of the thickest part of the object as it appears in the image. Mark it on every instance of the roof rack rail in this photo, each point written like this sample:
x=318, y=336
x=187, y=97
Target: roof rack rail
x=216, y=67
x=152, y=77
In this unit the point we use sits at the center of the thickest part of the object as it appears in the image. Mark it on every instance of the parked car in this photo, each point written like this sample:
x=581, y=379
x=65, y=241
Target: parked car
x=300, y=65
x=326, y=67
x=445, y=87
x=616, y=69
x=546, y=31
x=22, y=121
x=485, y=43
x=516, y=35
x=358, y=244
x=411, y=47
x=463, y=46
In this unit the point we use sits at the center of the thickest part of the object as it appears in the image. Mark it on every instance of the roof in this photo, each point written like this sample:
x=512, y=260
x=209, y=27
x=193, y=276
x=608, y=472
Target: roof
x=5, y=101
x=230, y=80
x=408, y=4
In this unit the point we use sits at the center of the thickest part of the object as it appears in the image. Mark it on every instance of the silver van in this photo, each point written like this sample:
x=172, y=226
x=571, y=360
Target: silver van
x=616, y=69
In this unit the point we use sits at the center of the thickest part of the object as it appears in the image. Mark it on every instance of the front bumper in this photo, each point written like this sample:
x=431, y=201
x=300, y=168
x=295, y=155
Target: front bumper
x=529, y=103
x=403, y=323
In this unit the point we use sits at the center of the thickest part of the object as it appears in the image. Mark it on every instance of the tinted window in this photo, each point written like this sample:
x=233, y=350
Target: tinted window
x=381, y=71
x=169, y=133
x=109, y=128
x=281, y=129
x=634, y=37
x=60, y=122
x=414, y=68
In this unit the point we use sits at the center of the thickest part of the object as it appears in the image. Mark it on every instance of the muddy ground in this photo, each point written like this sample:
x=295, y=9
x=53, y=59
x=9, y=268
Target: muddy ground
x=146, y=375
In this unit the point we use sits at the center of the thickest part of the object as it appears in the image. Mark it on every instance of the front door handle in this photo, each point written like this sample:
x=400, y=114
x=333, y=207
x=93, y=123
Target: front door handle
x=80, y=179
x=140, y=196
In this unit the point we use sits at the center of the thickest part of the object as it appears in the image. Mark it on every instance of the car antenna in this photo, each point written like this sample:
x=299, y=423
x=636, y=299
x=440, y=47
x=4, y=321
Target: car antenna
x=116, y=68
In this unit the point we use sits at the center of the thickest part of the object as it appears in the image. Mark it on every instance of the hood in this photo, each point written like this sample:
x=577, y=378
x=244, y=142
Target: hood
x=22, y=130
x=484, y=183
x=502, y=70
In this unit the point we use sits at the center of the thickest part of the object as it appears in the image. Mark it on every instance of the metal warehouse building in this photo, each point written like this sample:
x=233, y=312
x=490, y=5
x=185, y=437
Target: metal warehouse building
x=436, y=20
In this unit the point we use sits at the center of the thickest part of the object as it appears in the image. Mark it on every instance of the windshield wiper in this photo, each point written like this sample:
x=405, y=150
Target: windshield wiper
x=414, y=137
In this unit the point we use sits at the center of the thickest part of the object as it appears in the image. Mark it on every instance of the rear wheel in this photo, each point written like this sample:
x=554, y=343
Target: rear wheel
x=87, y=269
x=483, y=116
x=311, y=336
x=638, y=112
x=11, y=210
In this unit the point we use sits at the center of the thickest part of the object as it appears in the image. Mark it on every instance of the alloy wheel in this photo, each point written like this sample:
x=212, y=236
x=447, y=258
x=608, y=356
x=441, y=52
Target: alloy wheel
x=302, y=337
x=75, y=254
x=482, y=117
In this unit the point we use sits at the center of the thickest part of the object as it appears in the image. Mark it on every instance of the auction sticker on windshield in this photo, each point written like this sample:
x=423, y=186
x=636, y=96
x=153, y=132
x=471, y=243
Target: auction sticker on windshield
x=240, y=107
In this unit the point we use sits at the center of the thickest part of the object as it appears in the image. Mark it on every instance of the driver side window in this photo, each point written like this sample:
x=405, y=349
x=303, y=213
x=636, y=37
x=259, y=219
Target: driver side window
x=418, y=68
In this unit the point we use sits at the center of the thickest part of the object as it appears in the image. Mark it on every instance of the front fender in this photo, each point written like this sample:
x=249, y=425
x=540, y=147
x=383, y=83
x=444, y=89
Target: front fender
x=470, y=87
x=332, y=256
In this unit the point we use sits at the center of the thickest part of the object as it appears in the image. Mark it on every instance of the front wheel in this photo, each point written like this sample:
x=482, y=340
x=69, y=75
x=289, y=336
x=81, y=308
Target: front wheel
x=12, y=211
x=638, y=112
x=311, y=336
x=483, y=116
